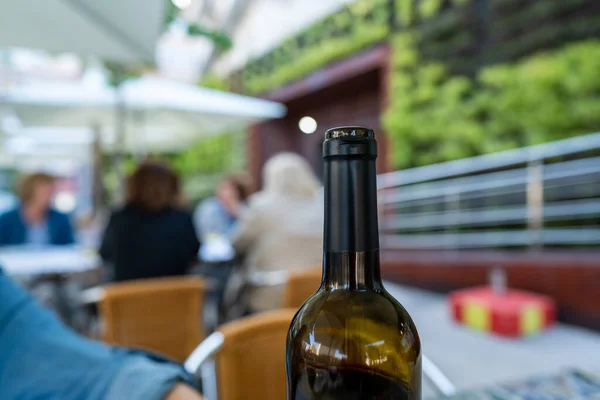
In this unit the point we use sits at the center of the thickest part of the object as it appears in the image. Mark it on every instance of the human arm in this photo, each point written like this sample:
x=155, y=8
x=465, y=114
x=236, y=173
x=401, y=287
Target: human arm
x=182, y=391
x=248, y=227
x=68, y=233
x=42, y=358
x=106, y=246
x=61, y=229
x=210, y=217
x=191, y=238
x=4, y=229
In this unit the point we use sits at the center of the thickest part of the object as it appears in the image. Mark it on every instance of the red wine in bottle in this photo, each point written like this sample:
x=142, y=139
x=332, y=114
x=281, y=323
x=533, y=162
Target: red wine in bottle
x=352, y=340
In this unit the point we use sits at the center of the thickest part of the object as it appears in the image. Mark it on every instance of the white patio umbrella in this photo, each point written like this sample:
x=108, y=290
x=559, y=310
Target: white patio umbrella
x=124, y=31
x=153, y=115
x=158, y=114
x=59, y=104
x=177, y=111
x=49, y=149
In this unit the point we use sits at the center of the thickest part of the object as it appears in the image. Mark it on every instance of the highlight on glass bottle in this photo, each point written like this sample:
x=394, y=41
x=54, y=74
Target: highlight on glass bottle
x=352, y=340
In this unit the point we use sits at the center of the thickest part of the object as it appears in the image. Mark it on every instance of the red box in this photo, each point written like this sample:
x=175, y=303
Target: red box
x=512, y=313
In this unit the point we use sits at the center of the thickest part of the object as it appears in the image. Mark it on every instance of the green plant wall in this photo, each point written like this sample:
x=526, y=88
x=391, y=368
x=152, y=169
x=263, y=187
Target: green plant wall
x=353, y=28
x=211, y=155
x=215, y=82
x=434, y=116
x=456, y=89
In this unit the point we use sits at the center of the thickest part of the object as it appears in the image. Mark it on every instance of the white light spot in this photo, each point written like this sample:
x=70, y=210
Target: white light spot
x=65, y=202
x=307, y=125
x=181, y=4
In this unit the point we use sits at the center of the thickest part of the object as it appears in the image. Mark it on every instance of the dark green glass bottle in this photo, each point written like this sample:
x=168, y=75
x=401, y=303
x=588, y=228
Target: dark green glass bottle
x=351, y=340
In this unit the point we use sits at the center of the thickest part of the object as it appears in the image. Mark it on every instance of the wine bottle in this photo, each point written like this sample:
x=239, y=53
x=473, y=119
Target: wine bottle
x=352, y=340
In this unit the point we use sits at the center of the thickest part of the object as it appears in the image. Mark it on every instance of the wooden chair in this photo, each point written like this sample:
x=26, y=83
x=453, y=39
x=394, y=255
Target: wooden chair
x=163, y=315
x=301, y=284
x=244, y=359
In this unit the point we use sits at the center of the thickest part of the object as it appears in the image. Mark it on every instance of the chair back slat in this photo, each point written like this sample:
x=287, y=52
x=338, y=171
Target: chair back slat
x=301, y=284
x=163, y=315
x=251, y=363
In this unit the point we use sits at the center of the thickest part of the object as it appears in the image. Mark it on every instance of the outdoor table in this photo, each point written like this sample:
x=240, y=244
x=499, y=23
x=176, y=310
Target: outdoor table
x=54, y=264
x=564, y=385
x=50, y=260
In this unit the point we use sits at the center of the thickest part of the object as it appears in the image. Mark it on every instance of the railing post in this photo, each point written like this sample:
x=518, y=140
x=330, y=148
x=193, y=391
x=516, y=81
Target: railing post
x=452, y=217
x=535, y=202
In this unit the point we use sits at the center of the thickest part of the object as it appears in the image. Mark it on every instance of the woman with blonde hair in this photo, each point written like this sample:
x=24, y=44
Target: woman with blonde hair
x=282, y=228
x=34, y=221
x=151, y=236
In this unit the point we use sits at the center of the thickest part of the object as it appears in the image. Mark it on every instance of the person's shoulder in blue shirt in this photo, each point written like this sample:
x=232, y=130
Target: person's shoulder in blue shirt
x=61, y=230
x=211, y=217
x=13, y=229
x=40, y=358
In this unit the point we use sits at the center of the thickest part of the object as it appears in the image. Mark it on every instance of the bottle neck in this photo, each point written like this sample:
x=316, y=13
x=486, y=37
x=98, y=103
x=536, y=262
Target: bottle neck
x=351, y=237
x=351, y=270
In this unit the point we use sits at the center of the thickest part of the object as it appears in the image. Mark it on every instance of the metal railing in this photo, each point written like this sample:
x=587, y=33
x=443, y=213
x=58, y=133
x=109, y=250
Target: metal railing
x=543, y=195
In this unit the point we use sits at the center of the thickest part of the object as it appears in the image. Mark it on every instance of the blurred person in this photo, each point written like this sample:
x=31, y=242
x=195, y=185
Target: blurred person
x=282, y=228
x=218, y=215
x=40, y=358
x=34, y=221
x=151, y=236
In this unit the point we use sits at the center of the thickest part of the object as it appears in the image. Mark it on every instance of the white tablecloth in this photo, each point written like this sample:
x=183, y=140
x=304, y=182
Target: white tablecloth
x=46, y=260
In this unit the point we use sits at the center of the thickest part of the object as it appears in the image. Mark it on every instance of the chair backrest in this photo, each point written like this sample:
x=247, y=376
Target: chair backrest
x=164, y=315
x=251, y=362
x=301, y=284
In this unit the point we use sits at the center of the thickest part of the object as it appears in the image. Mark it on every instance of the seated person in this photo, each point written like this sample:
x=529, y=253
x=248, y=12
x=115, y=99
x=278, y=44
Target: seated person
x=34, y=221
x=282, y=227
x=218, y=215
x=40, y=358
x=215, y=218
x=151, y=236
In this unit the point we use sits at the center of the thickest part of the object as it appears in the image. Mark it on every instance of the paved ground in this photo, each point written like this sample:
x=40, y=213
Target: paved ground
x=473, y=359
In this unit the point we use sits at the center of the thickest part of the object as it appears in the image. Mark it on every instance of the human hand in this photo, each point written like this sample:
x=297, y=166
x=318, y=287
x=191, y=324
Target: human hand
x=181, y=391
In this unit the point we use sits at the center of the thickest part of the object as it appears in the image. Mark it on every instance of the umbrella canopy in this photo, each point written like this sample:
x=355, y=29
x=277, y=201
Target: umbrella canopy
x=59, y=104
x=57, y=150
x=117, y=30
x=188, y=110
x=158, y=114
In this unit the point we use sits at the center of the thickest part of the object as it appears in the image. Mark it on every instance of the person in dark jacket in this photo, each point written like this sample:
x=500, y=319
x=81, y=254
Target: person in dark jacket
x=34, y=222
x=150, y=236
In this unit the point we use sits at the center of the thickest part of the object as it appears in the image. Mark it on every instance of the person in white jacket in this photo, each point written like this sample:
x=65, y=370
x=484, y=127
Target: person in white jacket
x=282, y=227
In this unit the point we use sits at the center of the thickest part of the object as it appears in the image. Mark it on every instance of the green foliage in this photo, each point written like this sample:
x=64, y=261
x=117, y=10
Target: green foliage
x=547, y=96
x=361, y=24
x=313, y=58
x=113, y=171
x=429, y=8
x=404, y=12
x=171, y=12
x=214, y=82
x=210, y=155
x=119, y=72
x=220, y=39
x=202, y=164
x=435, y=117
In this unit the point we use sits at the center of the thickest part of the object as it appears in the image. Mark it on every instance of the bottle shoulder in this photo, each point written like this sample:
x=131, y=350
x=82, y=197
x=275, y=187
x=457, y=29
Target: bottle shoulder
x=365, y=329
x=339, y=307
